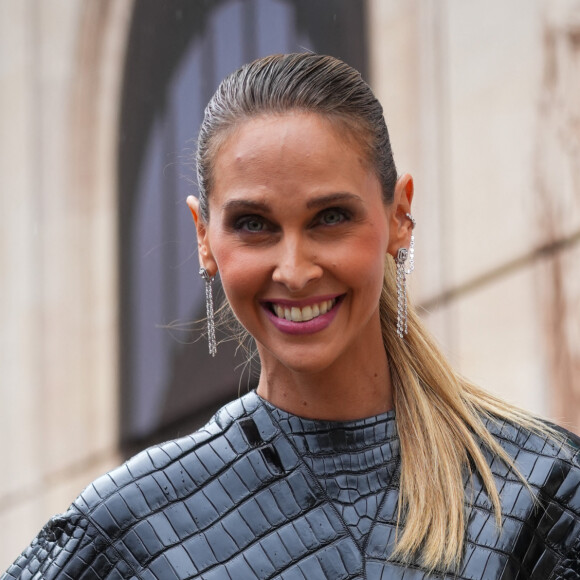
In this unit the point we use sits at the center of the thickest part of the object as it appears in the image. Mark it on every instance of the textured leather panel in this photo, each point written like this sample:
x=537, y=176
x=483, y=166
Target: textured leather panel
x=353, y=461
x=260, y=494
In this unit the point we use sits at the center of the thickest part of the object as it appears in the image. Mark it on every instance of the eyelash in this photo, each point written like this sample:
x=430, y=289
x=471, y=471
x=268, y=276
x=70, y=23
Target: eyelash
x=344, y=214
x=240, y=224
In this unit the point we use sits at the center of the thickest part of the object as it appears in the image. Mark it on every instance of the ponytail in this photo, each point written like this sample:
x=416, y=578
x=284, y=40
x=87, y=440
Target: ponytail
x=441, y=429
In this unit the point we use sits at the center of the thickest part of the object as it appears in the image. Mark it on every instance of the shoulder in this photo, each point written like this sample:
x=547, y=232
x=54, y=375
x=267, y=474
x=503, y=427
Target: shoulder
x=164, y=472
x=533, y=451
x=550, y=463
x=67, y=547
x=548, y=460
x=134, y=511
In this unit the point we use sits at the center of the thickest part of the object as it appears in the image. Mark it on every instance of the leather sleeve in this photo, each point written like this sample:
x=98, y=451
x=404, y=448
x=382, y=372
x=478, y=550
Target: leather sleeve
x=68, y=547
x=565, y=530
x=569, y=566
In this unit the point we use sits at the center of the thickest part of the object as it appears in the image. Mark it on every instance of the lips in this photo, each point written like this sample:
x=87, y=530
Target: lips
x=307, y=316
x=304, y=313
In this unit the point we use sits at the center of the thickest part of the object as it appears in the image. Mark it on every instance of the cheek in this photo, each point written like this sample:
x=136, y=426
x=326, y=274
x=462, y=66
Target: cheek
x=239, y=273
x=366, y=259
x=361, y=267
x=371, y=273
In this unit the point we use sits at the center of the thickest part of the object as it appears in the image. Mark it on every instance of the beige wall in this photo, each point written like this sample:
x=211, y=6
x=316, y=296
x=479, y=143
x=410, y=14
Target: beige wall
x=482, y=99
x=60, y=66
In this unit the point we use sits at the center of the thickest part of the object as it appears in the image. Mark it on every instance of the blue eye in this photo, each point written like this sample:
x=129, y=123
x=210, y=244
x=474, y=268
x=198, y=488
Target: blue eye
x=253, y=224
x=333, y=216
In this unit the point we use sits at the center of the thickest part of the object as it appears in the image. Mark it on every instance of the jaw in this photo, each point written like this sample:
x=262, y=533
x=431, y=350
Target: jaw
x=338, y=342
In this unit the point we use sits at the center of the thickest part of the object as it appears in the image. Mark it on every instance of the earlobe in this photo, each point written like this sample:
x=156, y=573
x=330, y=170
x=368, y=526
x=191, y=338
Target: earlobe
x=206, y=259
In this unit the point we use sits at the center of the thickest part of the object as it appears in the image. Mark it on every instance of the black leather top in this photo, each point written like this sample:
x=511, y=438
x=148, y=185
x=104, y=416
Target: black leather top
x=259, y=493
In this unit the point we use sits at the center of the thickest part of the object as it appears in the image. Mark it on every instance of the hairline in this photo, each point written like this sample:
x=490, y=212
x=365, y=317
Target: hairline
x=361, y=135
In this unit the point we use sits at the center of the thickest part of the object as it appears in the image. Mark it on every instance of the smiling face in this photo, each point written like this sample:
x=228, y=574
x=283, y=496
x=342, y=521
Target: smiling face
x=299, y=232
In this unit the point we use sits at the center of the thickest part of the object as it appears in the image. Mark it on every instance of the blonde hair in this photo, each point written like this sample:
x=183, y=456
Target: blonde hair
x=440, y=421
x=439, y=414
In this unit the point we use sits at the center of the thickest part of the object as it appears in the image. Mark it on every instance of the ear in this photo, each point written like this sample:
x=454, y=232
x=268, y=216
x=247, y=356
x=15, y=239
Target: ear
x=400, y=226
x=206, y=259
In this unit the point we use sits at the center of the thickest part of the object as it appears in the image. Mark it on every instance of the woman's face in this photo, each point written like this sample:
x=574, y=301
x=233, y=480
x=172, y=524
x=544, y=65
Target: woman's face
x=299, y=233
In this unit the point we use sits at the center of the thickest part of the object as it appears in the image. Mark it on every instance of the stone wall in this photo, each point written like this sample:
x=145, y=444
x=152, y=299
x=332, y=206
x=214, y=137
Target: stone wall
x=60, y=72
x=482, y=99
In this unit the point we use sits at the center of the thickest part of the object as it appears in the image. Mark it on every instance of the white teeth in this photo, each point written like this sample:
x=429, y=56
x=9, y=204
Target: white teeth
x=306, y=313
x=296, y=314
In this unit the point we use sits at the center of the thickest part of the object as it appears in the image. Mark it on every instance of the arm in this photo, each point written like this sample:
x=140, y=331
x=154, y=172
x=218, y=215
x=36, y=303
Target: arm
x=69, y=547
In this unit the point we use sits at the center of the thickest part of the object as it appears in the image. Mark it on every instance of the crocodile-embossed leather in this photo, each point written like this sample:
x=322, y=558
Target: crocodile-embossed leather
x=259, y=493
x=354, y=462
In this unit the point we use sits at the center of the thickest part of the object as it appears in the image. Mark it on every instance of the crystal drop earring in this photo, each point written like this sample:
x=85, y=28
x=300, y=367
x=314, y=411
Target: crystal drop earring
x=209, y=310
x=401, y=292
x=402, y=272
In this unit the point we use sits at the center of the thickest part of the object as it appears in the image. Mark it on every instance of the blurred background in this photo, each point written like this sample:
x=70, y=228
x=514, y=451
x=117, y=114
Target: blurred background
x=100, y=103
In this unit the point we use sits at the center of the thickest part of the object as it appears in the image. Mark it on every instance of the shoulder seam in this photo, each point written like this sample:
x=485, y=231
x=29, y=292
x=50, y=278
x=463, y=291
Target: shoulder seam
x=107, y=539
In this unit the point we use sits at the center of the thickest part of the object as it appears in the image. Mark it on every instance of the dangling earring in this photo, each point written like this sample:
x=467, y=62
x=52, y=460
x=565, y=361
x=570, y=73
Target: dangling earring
x=402, y=255
x=412, y=244
x=209, y=310
x=401, y=292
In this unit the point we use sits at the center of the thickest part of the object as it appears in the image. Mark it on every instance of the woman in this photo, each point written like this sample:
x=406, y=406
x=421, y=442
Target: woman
x=302, y=214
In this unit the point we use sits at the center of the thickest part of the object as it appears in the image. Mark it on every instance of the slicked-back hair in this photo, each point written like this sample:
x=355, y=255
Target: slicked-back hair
x=304, y=82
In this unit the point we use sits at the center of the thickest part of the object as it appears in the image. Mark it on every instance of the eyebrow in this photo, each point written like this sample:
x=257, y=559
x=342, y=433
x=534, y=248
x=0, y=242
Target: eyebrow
x=322, y=201
x=332, y=198
x=245, y=204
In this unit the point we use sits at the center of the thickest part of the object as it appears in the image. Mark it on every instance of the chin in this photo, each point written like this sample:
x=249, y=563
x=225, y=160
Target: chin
x=307, y=361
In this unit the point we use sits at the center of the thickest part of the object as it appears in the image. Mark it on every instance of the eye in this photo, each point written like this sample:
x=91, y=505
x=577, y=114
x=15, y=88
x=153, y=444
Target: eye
x=250, y=223
x=333, y=216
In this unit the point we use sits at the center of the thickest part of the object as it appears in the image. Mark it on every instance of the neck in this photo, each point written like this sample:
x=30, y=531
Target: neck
x=340, y=393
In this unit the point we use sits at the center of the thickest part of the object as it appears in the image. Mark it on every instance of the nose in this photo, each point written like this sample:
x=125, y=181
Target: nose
x=296, y=265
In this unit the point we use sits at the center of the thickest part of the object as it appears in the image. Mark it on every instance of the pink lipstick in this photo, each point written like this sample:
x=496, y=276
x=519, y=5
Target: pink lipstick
x=302, y=316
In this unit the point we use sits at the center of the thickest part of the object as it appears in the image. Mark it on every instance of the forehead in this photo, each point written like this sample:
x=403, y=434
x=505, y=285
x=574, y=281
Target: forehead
x=297, y=143
x=288, y=163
